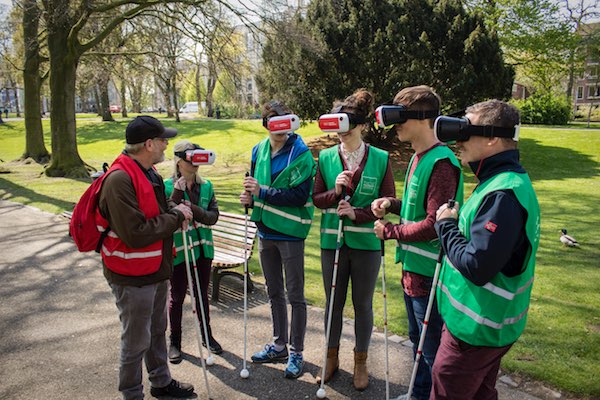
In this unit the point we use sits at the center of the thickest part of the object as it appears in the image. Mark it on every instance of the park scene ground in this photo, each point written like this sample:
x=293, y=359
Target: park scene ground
x=561, y=344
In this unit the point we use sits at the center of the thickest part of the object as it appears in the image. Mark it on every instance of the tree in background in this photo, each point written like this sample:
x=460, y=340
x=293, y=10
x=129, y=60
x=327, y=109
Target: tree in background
x=342, y=45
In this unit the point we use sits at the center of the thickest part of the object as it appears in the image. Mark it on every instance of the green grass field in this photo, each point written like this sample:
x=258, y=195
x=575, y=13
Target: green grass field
x=561, y=345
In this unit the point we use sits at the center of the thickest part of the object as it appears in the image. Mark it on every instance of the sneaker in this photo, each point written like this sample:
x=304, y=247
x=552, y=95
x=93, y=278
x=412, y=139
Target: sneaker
x=174, y=354
x=294, y=366
x=173, y=389
x=269, y=354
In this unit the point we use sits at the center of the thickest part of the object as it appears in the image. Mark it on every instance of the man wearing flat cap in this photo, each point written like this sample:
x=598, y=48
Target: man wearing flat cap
x=137, y=256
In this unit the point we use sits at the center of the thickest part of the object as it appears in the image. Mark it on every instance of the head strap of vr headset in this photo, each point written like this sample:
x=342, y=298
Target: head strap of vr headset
x=352, y=118
x=181, y=154
x=490, y=131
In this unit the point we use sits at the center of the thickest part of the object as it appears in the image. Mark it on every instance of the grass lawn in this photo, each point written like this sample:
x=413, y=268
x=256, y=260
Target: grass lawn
x=561, y=345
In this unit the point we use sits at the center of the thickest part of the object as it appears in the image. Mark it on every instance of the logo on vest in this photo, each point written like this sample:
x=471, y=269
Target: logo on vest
x=367, y=185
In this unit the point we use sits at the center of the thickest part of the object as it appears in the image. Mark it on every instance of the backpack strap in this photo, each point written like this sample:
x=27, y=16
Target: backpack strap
x=103, y=236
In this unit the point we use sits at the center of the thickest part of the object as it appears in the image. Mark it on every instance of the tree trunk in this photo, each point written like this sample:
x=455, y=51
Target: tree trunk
x=135, y=92
x=210, y=88
x=103, y=80
x=97, y=100
x=16, y=91
x=123, y=95
x=63, y=66
x=34, y=133
x=198, y=92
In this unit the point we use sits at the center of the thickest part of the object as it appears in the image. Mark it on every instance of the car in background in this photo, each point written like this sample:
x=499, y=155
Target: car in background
x=189, y=107
x=114, y=108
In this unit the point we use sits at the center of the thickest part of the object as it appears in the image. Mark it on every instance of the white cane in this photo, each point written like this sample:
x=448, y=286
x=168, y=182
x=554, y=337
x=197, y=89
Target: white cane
x=436, y=277
x=210, y=359
x=244, y=373
x=385, y=323
x=321, y=392
x=189, y=277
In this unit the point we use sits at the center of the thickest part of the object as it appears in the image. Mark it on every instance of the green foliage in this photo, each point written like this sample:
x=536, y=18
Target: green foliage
x=561, y=343
x=342, y=45
x=544, y=109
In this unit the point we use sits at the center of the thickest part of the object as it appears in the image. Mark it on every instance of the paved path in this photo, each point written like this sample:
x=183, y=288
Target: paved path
x=59, y=330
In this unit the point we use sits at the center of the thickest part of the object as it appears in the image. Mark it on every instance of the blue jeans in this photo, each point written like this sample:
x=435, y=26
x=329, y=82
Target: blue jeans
x=415, y=309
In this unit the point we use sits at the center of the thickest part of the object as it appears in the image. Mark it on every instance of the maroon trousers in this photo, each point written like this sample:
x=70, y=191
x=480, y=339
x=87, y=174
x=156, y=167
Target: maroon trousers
x=465, y=372
x=179, y=284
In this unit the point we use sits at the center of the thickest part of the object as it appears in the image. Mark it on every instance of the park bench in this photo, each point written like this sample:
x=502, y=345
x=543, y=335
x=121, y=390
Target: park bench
x=232, y=247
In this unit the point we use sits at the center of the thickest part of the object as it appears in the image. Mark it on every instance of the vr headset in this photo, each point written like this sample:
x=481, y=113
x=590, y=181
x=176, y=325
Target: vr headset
x=449, y=129
x=339, y=122
x=197, y=156
x=283, y=123
x=392, y=115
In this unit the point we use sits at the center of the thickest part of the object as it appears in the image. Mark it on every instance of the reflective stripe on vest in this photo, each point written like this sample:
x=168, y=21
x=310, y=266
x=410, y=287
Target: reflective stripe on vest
x=421, y=257
x=198, y=234
x=360, y=237
x=290, y=220
x=494, y=314
x=117, y=256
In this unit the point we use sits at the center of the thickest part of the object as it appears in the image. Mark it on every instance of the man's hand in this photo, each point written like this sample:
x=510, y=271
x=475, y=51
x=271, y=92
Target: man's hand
x=345, y=209
x=379, y=207
x=379, y=227
x=251, y=185
x=245, y=199
x=446, y=212
x=343, y=179
x=187, y=213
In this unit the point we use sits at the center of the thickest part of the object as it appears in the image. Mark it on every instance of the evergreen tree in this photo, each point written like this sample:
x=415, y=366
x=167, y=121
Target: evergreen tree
x=341, y=45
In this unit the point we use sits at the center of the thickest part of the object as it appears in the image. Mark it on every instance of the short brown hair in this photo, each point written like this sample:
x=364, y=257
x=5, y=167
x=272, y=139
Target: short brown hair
x=271, y=108
x=419, y=98
x=497, y=113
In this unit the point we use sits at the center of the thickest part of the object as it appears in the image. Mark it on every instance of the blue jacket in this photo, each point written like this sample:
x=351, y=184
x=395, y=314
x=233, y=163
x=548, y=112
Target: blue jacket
x=295, y=197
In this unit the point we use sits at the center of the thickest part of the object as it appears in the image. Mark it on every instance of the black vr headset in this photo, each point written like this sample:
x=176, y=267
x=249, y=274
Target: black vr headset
x=450, y=129
x=197, y=156
x=339, y=121
x=399, y=114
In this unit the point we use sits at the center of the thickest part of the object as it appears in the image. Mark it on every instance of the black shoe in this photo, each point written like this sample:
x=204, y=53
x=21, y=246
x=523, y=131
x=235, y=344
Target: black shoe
x=215, y=347
x=174, y=354
x=173, y=389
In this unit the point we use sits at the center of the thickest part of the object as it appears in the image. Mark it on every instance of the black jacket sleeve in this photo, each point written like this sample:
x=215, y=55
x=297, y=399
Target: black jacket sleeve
x=497, y=235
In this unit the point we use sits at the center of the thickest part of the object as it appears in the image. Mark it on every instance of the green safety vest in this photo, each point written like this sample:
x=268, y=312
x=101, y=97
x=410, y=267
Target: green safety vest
x=494, y=314
x=421, y=257
x=292, y=221
x=198, y=235
x=356, y=236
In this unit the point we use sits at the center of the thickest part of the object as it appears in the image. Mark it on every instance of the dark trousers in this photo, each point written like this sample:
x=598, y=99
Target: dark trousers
x=465, y=372
x=142, y=311
x=282, y=262
x=416, y=307
x=179, y=285
x=358, y=268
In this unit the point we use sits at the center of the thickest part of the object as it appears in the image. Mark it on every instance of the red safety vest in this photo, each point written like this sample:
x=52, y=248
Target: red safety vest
x=117, y=256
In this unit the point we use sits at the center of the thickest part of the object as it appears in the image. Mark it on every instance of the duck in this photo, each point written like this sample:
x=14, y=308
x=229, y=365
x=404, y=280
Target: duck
x=567, y=240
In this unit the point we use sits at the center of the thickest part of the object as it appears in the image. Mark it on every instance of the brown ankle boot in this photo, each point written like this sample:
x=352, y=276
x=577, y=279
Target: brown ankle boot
x=333, y=364
x=361, y=375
